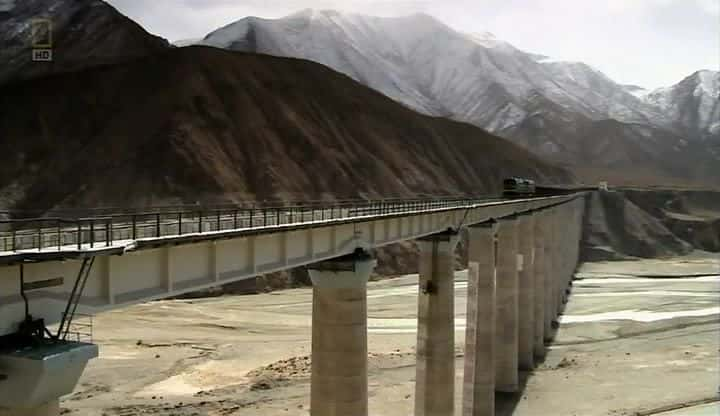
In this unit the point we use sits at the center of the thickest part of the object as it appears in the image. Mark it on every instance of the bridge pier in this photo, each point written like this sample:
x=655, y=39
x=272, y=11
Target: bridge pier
x=435, y=371
x=550, y=273
x=539, y=235
x=507, y=329
x=562, y=234
x=478, y=397
x=39, y=373
x=339, y=384
x=526, y=291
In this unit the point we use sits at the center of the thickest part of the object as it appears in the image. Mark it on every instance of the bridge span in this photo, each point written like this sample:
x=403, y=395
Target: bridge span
x=522, y=255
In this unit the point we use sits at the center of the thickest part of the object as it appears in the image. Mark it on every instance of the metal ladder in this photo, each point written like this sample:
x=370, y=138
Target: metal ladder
x=75, y=296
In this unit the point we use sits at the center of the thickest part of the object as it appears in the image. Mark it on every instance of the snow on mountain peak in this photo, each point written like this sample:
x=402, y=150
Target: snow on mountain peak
x=635, y=90
x=486, y=39
x=709, y=83
x=313, y=14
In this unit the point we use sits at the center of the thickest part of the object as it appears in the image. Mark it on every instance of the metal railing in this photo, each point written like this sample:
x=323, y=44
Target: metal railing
x=66, y=233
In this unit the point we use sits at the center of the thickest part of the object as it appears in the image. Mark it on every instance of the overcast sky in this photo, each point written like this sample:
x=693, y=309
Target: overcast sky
x=651, y=43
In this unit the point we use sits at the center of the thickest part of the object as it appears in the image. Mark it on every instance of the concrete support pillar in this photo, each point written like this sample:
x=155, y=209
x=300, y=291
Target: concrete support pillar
x=479, y=377
x=550, y=275
x=507, y=331
x=557, y=268
x=539, y=236
x=51, y=408
x=561, y=253
x=339, y=336
x=435, y=371
x=526, y=291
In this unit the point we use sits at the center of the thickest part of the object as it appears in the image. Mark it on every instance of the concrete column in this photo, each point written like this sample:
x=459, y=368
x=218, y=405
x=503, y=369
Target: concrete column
x=558, y=276
x=539, y=236
x=526, y=291
x=550, y=276
x=479, y=377
x=51, y=408
x=339, y=336
x=565, y=238
x=506, y=339
x=435, y=371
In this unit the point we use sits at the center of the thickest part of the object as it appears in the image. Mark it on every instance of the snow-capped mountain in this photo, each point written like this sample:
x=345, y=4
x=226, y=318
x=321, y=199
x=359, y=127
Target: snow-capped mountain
x=636, y=90
x=693, y=103
x=567, y=111
x=432, y=68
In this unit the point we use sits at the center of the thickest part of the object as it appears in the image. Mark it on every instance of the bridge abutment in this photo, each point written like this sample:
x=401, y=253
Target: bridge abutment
x=435, y=371
x=479, y=378
x=339, y=385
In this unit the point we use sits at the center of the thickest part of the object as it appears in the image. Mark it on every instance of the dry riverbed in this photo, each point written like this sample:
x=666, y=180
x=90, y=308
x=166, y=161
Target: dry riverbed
x=637, y=338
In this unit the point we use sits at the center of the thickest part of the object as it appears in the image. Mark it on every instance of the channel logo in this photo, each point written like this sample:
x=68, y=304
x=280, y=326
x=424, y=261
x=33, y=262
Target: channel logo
x=41, y=40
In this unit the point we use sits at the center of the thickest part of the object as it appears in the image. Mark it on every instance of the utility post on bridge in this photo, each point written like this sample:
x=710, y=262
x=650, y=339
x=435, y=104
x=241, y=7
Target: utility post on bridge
x=435, y=371
x=339, y=383
x=478, y=396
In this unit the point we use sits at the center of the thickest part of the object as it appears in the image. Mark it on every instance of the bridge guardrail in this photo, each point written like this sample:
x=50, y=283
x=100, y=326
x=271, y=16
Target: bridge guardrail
x=58, y=234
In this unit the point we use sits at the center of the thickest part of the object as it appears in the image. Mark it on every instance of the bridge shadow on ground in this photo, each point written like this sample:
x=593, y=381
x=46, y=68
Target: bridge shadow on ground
x=506, y=403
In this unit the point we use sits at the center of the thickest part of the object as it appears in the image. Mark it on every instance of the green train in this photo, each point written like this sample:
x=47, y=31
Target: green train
x=518, y=187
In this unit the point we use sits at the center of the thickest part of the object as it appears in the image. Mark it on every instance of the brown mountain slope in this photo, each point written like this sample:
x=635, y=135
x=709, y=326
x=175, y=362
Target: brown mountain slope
x=203, y=124
x=621, y=153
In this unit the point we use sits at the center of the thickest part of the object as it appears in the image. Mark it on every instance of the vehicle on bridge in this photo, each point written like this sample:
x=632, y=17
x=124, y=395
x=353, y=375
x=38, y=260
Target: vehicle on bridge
x=514, y=187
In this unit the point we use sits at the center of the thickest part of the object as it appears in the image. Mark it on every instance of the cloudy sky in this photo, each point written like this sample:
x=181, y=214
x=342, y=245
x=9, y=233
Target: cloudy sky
x=651, y=43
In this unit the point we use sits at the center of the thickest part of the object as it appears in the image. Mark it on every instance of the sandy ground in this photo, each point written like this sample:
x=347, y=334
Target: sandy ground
x=627, y=345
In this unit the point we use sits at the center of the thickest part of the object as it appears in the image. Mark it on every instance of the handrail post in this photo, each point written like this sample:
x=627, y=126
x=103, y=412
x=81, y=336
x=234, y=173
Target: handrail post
x=40, y=237
x=235, y=219
x=108, y=232
x=180, y=230
x=218, y=221
x=134, y=227
x=200, y=223
x=157, y=225
x=79, y=235
x=92, y=233
x=59, y=231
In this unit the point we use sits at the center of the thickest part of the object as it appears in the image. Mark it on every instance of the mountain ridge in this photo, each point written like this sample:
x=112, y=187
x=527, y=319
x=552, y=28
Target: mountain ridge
x=428, y=66
x=223, y=126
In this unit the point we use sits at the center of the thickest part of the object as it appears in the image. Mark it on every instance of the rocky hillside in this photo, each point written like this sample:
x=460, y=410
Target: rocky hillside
x=204, y=124
x=565, y=111
x=85, y=33
x=650, y=223
x=693, y=103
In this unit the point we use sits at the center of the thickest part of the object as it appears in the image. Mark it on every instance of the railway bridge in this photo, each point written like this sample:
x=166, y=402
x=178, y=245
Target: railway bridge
x=522, y=255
